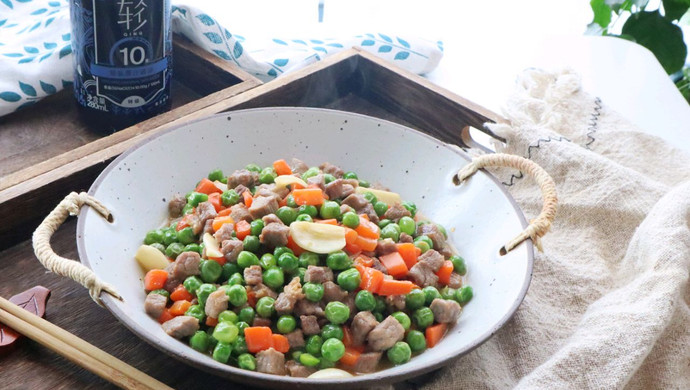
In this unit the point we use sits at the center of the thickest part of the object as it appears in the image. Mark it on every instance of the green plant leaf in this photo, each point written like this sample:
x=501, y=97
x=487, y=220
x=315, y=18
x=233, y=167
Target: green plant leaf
x=619, y=5
x=602, y=12
x=660, y=36
x=675, y=9
x=595, y=29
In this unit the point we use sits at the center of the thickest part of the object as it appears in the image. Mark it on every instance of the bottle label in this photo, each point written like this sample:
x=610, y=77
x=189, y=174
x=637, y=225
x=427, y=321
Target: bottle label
x=123, y=54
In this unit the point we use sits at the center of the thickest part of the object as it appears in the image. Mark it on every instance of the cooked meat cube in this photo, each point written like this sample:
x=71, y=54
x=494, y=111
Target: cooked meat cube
x=225, y=232
x=298, y=166
x=176, y=205
x=310, y=325
x=246, y=178
x=270, y=361
x=362, y=324
x=297, y=370
x=433, y=258
x=332, y=169
x=319, y=180
x=385, y=246
x=349, y=301
x=253, y=275
x=271, y=190
x=263, y=205
x=172, y=281
x=315, y=274
x=208, y=226
x=295, y=338
x=339, y=189
x=292, y=293
x=404, y=237
x=231, y=249
x=385, y=334
x=422, y=274
x=261, y=290
x=446, y=251
x=333, y=292
x=433, y=232
x=274, y=234
x=455, y=280
x=345, y=208
x=194, y=222
x=216, y=302
x=239, y=212
x=445, y=310
x=241, y=189
x=361, y=206
x=368, y=362
x=271, y=218
x=181, y=326
x=206, y=211
x=369, y=211
x=395, y=303
x=186, y=264
x=307, y=308
x=258, y=321
x=396, y=212
x=155, y=304
x=378, y=266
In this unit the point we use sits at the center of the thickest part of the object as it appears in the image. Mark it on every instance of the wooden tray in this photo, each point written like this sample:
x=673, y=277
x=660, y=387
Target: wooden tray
x=352, y=80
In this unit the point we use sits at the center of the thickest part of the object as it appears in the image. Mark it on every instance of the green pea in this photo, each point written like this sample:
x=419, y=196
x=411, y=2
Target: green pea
x=173, y=250
x=287, y=214
x=369, y=196
x=286, y=324
x=253, y=168
x=329, y=209
x=304, y=218
x=464, y=294
x=333, y=350
x=197, y=312
x=229, y=198
x=350, y=175
x=247, y=315
x=216, y=174
x=365, y=301
x=308, y=258
x=423, y=317
x=384, y=222
x=325, y=363
x=251, y=244
x=236, y=279
x=194, y=198
x=256, y=227
x=300, y=274
x=161, y=291
x=338, y=261
x=313, y=344
x=228, y=270
x=442, y=230
x=267, y=261
x=332, y=331
x=399, y=353
x=448, y=293
x=349, y=279
x=211, y=341
x=309, y=360
x=192, y=283
x=204, y=291
x=280, y=250
x=239, y=347
x=221, y=353
x=407, y=225
x=154, y=236
x=313, y=291
x=458, y=264
x=210, y=271
x=228, y=316
x=309, y=210
x=192, y=248
x=237, y=295
x=169, y=237
x=226, y=332
x=199, y=341
x=430, y=293
x=351, y=219
x=311, y=172
x=161, y=247
x=380, y=305
x=246, y=361
x=415, y=299
x=246, y=259
x=241, y=325
x=378, y=316
x=265, y=307
x=337, y=312
x=274, y=277
x=187, y=209
x=426, y=239
x=403, y=319
x=416, y=340
x=380, y=208
x=267, y=175
x=391, y=231
x=327, y=178
x=290, y=201
x=364, y=183
x=422, y=245
x=411, y=207
x=288, y=262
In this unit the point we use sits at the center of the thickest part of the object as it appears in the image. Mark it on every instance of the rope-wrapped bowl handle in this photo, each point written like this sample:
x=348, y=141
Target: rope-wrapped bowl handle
x=74, y=270
x=539, y=226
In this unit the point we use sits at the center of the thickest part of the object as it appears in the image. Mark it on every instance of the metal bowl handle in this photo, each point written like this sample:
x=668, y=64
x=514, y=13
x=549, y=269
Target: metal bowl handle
x=66, y=267
x=537, y=227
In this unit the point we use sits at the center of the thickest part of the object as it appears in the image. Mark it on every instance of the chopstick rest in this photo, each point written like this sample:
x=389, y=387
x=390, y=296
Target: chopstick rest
x=32, y=300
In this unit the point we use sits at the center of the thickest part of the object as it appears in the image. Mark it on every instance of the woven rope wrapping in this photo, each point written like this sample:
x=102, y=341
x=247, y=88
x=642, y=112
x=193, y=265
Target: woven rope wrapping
x=60, y=265
x=537, y=227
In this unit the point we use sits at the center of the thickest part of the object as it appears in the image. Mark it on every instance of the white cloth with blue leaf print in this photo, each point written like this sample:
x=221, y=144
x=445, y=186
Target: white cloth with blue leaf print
x=36, y=60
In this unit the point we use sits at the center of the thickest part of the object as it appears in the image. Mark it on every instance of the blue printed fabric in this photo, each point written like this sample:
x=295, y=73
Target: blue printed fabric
x=36, y=51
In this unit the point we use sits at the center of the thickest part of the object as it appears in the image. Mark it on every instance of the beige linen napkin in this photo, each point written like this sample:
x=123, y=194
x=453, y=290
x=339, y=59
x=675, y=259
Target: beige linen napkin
x=608, y=307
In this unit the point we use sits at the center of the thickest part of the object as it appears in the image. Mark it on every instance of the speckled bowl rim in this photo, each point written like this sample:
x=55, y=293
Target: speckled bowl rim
x=267, y=380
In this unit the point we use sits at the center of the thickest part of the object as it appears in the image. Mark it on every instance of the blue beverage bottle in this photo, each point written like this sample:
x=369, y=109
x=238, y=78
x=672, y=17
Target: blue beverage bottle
x=122, y=60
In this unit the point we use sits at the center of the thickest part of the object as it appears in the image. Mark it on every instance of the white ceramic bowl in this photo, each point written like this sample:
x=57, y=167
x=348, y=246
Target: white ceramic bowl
x=479, y=215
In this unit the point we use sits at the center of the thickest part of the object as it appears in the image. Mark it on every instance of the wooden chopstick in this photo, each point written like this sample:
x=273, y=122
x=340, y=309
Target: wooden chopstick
x=75, y=349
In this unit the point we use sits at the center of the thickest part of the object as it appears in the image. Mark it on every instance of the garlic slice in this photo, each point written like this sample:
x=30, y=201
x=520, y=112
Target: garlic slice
x=211, y=248
x=283, y=181
x=150, y=258
x=387, y=197
x=221, y=186
x=330, y=373
x=317, y=237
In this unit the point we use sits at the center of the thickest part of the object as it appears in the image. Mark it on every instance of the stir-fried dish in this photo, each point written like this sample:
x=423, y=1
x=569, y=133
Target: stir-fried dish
x=292, y=269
